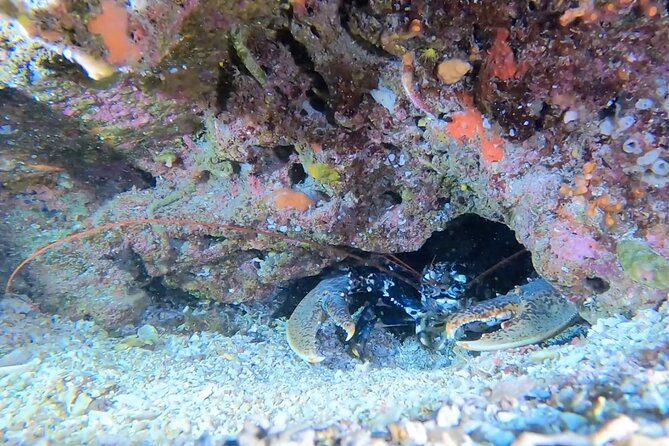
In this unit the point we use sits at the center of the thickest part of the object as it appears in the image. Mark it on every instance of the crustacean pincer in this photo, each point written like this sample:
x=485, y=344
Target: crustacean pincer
x=328, y=298
x=527, y=314
x=377, y=298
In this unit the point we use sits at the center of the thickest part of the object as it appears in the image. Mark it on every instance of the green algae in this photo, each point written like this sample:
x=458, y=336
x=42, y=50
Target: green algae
x=323, y=173
x=167, y=158
x=642, y=264
x=239, y=35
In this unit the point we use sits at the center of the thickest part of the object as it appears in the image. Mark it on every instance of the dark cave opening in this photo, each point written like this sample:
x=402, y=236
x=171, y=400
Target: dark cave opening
x=473, y=259
x=485, y=251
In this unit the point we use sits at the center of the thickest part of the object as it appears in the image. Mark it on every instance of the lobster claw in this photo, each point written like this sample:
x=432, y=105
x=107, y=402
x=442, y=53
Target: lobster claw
x=526, y=315
x=328, y=298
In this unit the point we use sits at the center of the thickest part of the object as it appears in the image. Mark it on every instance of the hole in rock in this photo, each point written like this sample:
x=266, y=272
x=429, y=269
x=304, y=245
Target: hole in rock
x=303, y=59
x=486, y=252
x=168, y=306
x=392, y=198
x=236, y=167
x=224, y=86
x=317, y=102
x=283, y=152
x=596, y=284
x=296, y=174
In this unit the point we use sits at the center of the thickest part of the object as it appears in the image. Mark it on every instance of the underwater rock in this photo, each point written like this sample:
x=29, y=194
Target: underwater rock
x=257, y=99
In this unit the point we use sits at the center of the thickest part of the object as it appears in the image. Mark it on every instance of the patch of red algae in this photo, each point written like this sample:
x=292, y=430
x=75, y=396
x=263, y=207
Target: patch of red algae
x=112, y=25
x=500, y=61
x=469, y=125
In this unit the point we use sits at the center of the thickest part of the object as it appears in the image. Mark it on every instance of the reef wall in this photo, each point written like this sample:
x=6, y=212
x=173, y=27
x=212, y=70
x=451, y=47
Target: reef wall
x=368, y=124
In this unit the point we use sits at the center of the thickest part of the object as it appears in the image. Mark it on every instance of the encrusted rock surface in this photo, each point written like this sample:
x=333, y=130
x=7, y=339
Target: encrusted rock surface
x=326, y=120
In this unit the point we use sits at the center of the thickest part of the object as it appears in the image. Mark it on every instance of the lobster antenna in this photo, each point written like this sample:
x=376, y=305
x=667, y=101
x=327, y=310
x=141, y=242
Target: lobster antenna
x=181, y=222
x=495, y=267
x=403, y=264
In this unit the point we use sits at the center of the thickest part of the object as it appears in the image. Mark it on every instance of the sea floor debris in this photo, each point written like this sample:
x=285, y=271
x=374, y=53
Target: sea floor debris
x=66, y=382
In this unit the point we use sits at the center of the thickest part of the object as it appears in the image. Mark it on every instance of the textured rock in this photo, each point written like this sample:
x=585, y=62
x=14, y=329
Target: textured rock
x=560, y=134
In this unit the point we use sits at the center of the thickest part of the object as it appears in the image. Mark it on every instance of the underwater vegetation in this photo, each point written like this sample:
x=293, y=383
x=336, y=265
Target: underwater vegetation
x=642, y=264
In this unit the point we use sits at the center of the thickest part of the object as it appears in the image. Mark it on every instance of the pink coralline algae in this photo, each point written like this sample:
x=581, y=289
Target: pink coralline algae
x=569, y=243
x=306, y=119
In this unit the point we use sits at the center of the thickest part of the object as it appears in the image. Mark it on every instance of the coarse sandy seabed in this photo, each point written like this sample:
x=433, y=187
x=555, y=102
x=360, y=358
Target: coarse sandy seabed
x=64, y=382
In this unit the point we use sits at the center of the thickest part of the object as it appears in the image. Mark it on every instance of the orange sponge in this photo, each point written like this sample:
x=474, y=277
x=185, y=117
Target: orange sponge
x=112, y=26
x=291, y=199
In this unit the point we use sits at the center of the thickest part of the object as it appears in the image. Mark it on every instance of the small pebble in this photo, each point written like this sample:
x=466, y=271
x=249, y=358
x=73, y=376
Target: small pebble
x=15, y=304
x=205, y=439
x=80, y=404
x=573, y=421
x=570, y=116
x=7, y=130
x=648, y=158
x=539, y=393
x=498, y=437
x=7, y=164
x=16, y=357
x=629, y=387
x=178, y=425
x=448, y=416
x=606, y=127
x=506, y=417
x=644, y=104
x=625, y=122
x=416, y=431
x=148, y=334
x=660, y=167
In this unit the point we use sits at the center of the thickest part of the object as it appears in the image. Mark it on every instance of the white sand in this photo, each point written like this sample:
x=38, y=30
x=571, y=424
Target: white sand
x=71, y=383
